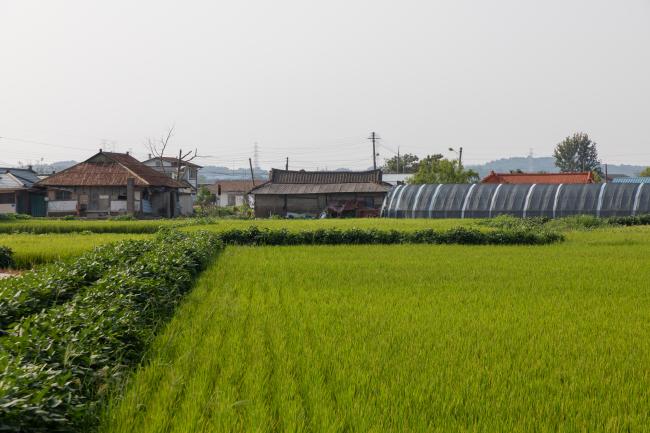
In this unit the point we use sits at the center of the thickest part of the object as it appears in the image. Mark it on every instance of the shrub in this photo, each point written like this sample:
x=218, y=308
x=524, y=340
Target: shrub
x=58, y=364
x=6, y=257
x=58, y=282
x=255, y=236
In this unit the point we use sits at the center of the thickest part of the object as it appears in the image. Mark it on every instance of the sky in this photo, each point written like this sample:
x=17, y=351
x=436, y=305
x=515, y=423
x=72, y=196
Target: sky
x=310, y=80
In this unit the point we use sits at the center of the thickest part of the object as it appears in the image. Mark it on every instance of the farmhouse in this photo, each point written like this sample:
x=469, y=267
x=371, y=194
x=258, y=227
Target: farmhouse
x=232, y=192
x=310, y=193
x=17, y=192
x=539, y=178
x=187, y=174
x=111, y=184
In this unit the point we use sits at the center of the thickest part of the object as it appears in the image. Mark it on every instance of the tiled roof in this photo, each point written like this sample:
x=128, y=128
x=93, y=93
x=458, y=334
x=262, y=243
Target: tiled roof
x=24, y=175
x=539, y=178
x=320, y=177
x=173, y=161
x=233, y=185
x=109, y=169
x=631, y=180
x=322, y=182
x=325, y=188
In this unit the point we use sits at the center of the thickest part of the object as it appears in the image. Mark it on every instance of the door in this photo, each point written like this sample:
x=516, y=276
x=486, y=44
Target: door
x=37, y=205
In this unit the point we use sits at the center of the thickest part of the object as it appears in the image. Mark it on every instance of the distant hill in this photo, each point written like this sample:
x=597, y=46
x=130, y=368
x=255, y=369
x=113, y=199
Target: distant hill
x=546, y=163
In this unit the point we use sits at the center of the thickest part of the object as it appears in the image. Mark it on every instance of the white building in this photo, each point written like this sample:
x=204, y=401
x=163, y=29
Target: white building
x=189, y=177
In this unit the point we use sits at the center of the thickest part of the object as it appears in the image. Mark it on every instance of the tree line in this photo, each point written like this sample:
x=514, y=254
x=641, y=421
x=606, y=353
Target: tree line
x=576, y=153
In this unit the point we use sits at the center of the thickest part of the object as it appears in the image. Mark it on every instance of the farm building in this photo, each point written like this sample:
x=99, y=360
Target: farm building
x=310, y=193
x=187, y=175
x=232, y=192
x=486, y=200
x=17, y=192
x=111, y=184
x=539, y=178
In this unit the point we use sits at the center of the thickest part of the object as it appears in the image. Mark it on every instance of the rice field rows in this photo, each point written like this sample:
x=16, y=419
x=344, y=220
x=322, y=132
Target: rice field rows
x=35, y=249
x=405, y=338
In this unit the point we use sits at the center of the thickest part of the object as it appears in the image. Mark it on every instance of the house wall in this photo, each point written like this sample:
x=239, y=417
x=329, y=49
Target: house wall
x=312, y=204
x=5, y=197
x=105, y=201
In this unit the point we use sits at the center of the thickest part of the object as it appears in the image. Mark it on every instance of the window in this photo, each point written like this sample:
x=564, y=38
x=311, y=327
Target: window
x=192, y=173
x=7, y=198
x=231, y=199
x=63, y=195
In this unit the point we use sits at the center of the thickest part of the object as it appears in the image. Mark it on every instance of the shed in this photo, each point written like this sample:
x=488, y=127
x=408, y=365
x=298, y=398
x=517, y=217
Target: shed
x=232, y=192
x=111, y=183
x=291, y=193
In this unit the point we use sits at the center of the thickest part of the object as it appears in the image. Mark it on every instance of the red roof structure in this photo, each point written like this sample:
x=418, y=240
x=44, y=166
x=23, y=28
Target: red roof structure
x=539, y=178
x=109, y=169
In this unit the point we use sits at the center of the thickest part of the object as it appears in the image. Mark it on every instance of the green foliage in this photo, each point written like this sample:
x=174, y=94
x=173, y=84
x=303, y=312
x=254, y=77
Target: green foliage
x=645, y=172
x=577, y=153
x=125, y=217
x=459, y=235
x=405, y=338
x=58, y=364
x=204, y=197
x=436, y=169
x=14, y=216
x=407, y=163
x=6, y=258
x=58, y=282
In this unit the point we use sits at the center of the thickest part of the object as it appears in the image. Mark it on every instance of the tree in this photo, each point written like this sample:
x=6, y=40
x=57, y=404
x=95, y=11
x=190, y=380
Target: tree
x=157, y=149
x=577, y=153
x=204, y=198
x=645, y=173
x=408, y=163
x=436, y=169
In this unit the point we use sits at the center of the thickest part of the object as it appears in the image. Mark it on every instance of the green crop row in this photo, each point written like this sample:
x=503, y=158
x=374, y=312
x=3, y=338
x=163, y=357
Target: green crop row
x=58, y=282
x=57, y=365
x=459, y=235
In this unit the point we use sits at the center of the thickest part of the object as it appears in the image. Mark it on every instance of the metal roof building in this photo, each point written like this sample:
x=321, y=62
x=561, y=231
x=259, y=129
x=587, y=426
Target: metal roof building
x=309, y=193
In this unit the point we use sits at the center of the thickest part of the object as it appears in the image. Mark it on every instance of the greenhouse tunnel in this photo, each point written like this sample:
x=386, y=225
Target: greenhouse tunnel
x=483, y=200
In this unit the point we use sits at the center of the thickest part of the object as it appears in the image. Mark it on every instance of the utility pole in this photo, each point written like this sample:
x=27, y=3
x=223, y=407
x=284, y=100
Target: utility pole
x=250, y=164
x=397, y=159
x=460, y=157
x=374, y=137
x=286, y=165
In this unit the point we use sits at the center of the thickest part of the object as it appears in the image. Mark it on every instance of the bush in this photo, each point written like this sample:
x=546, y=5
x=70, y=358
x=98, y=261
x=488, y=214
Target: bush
x=6, y=257
x=58, y=364
x=255, y=236
x=58, y=282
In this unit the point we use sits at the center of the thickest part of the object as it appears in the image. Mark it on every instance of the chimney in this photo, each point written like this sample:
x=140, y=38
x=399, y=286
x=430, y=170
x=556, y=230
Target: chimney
x=100, y=150
x=127, y=152
x=29, y=167
x=149, y=156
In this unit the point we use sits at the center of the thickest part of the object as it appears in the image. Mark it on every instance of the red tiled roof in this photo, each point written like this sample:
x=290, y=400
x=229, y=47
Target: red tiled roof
x=539, y=178
x=109, y=169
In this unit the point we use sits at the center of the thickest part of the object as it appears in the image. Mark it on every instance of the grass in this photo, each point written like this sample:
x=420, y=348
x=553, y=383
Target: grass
x=35, y=249
x=405, y=338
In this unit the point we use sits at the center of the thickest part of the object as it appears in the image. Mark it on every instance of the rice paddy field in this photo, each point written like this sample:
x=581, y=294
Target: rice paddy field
x=35, y=249
x=405, y=338
x=410, y=337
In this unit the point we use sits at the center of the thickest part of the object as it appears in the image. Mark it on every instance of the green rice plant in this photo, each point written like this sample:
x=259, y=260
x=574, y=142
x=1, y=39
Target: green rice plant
x=36, y=249
x=58, y=364
x=418, y=338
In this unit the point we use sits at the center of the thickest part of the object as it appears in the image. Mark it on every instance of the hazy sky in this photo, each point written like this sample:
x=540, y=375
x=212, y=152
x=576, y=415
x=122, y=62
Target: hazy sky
x=310, y=80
